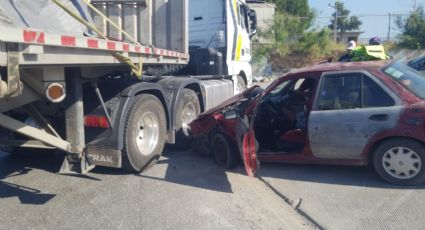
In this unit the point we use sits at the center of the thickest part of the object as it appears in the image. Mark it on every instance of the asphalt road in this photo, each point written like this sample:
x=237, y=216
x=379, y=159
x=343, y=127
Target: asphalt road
x=347, y=197
x=183, y=191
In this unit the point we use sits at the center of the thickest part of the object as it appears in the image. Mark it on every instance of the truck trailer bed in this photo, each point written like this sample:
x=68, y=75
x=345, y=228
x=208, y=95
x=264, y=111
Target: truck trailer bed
x=38, y=48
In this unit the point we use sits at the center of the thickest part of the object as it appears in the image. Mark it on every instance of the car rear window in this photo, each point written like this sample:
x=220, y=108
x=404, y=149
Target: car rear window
x=409, y=78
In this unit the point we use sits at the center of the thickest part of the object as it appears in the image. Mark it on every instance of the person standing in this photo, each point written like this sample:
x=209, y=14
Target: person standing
x=351, y=46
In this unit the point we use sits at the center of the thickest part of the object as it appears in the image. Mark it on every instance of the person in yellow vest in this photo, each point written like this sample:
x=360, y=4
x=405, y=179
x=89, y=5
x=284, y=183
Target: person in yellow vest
x=374, y=51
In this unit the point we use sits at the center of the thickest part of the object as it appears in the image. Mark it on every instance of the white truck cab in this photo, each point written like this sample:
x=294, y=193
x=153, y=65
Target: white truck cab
x=221, y=31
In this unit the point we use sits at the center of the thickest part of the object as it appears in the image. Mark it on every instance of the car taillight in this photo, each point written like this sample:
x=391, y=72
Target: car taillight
x=92, y=121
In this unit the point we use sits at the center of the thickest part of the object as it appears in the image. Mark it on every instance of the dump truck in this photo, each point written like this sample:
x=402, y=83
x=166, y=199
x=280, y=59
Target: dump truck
x=110, y=82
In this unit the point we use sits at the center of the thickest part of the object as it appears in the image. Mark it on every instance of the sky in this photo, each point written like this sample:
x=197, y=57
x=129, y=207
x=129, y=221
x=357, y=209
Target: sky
x=372, y=25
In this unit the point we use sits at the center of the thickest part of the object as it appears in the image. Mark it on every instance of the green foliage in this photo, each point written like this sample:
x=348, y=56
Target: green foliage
x=293, y=42
x=413, y=28
x=297, y=8
x=344, y=22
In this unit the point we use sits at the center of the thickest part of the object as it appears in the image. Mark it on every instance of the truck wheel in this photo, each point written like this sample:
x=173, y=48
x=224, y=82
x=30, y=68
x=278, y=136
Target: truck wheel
x=241, y=86
x=400, y=161
x=187, y=110
x=144, y=133
x=223, y=151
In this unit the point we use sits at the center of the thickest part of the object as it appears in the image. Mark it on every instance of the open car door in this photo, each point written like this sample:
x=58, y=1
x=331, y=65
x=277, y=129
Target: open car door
x=247, y=145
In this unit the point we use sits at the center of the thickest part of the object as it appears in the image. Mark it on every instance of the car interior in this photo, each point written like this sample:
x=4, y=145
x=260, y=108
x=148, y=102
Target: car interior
x=280, y=120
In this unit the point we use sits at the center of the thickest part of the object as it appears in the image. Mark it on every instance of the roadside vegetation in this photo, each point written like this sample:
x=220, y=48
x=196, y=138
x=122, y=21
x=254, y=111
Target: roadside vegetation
x=293, y=42
x=413, y=30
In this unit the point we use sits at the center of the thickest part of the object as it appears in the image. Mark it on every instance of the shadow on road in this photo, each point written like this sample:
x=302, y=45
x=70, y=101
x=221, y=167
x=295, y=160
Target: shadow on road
x=193, y=170
x=341, y=175
x=13, y=166
x=185, y=168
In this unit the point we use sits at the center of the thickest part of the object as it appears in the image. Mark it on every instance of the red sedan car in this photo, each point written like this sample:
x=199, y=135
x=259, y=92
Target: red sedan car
x=338, y=113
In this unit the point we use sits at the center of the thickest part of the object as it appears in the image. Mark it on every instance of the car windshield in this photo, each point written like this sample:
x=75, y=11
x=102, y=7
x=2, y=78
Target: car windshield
x=409, y=78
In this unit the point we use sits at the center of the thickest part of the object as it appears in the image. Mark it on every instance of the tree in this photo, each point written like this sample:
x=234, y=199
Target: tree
x=413, y=30
x=344, y=22
x=296, y=8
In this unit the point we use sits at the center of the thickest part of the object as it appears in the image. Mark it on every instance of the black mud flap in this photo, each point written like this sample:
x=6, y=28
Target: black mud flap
x=104, y=157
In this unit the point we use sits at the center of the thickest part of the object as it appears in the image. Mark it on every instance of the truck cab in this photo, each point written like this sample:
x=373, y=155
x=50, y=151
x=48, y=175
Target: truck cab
x=220, y=34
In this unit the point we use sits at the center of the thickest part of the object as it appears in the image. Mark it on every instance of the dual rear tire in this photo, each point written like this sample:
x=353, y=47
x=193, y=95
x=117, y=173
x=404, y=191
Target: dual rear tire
x=145, y=129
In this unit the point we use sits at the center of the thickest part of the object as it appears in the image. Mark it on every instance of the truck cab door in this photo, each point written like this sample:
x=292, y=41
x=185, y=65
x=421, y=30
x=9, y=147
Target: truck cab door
x=247, y=145
x=238, y=37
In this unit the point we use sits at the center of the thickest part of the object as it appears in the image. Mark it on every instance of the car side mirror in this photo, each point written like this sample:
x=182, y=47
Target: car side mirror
x=253, y=22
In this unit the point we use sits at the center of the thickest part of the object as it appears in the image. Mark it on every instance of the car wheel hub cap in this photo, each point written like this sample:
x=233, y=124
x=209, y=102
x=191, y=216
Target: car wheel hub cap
x=401, y=162
x=189, y=114
x=148, y=133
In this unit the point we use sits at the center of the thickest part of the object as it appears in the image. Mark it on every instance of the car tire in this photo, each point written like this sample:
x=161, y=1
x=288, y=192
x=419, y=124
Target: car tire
x=223, y=151
x=144, y=133
x=188, y=108
x=400, y=161
x=241, y=84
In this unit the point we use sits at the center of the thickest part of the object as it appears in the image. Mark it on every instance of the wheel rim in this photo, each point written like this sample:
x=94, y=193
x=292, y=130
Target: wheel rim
x=401, y=162
x=147, y=133
x=220, y=152
x=241, y=85
x=189, y=114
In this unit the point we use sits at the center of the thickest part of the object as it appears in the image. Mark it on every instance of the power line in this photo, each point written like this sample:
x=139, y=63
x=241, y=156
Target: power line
x=357, y=15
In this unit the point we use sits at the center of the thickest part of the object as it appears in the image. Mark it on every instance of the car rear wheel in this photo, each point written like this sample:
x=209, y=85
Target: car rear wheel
x=144, y=133
x=400, y=161
x=223, y=151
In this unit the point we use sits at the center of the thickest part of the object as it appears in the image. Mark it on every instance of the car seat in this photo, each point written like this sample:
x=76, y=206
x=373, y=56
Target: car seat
x=292, y=141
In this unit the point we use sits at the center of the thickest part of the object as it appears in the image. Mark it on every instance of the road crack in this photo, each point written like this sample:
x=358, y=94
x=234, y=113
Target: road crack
x=295, y=205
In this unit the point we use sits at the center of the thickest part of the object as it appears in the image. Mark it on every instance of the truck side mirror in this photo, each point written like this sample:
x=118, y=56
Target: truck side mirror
x=253, y=24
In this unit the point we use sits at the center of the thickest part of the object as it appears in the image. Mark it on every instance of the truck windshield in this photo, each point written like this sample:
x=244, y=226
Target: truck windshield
x=409, y=78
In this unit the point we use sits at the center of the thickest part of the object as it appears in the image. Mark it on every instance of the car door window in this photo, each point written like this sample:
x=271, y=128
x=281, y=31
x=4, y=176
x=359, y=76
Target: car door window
x=374, y=95
x=340, y=91
x=350, y=91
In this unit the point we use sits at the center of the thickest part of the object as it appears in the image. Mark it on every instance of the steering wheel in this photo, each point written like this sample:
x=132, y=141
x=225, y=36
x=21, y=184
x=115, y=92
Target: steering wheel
x=271, y=107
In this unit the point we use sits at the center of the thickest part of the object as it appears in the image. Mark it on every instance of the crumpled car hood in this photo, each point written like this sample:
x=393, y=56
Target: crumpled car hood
x=229, y=102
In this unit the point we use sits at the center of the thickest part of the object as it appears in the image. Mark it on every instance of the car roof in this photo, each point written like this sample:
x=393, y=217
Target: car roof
x=342, y=66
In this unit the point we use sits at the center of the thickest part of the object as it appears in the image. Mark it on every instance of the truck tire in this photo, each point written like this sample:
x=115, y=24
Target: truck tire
x=400, y=161
x=188, y=108
x=241, y=86
x=223, y=151
x=144, y=133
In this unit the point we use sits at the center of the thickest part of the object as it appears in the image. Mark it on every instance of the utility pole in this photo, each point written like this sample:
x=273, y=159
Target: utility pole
x=335, y=22
x=389, y=28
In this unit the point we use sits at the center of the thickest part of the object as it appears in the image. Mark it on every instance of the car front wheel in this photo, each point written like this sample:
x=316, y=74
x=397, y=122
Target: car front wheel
x=223, y=151
x=400, y=161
